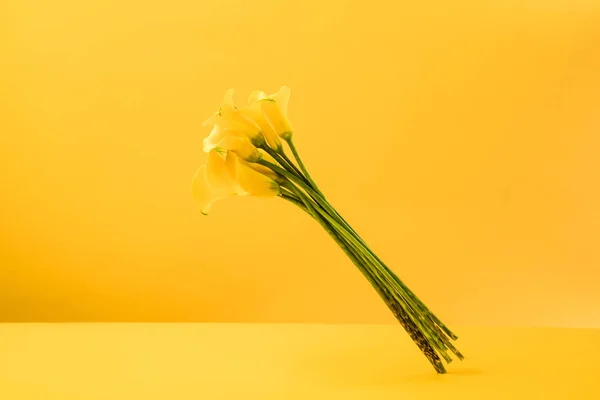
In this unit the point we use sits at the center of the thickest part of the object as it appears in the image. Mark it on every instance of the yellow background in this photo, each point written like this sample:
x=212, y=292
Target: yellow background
x=461, y=139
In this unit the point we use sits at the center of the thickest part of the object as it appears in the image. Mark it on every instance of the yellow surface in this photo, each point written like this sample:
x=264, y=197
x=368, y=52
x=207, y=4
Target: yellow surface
x=460, y=138
x=295, y=361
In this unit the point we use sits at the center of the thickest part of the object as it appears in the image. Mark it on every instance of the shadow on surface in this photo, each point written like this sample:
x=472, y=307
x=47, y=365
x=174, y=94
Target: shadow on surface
x=346, y=364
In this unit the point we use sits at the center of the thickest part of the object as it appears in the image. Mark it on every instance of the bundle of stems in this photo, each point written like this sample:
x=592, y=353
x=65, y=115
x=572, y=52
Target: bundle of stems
x=297, y=187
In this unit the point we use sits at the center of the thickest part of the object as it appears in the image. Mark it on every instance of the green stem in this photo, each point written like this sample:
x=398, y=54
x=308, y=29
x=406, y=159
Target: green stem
x=385, y=276
x=305, y=206
x=292, y=146
x=416, y=304
x=356, y=258
x=387, y=295
x=300, y=182
x=409, y=292
x=402, y=298
x=319, y=214
x=319, y=198
x=413, y=297
x=420, y=312
x=284, y=161
x=296, y=170
x=287, y=193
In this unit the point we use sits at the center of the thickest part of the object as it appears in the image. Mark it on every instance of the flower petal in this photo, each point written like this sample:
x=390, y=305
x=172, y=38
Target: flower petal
x=264, y=170
x=212, y=140
x=241, y=146
x=231, y=166
x=228, y=98
x=249, y=181
x=256, y=115
x=204, y=194
x=255, y=183
x=230, y=120
x=217, y=175
x=277, y=120
x=212, y=120
x=282, y=98
x=256, y=96
x=266, y=156
x=274, y=108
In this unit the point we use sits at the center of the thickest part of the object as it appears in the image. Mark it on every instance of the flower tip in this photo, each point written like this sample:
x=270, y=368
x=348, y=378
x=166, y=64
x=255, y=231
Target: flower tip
x=228, y=98
x=207, y=147
x=256, y=96
x=211, y=120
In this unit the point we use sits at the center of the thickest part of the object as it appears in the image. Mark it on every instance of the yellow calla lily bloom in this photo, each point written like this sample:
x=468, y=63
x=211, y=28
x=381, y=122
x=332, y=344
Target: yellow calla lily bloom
x=234, y=141
x=255, y=113
x=226, y=174
x=265, y=170
x=247, y=181
x=253, y=120
x=275, y=108
x=231, y=121
x=211, y=182
x=234, y=125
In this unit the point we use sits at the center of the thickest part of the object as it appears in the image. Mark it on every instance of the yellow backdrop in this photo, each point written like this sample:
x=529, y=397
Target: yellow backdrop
x=461, y=139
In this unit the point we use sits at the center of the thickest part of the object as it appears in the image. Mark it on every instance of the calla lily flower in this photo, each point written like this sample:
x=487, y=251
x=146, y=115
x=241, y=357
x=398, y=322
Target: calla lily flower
x=230, y=120
x=275, y=108
x=255, y=113
x=265, y=170
x=234, y=126
x=211, y=183
x=253, y=121
x=248, y=181
x=251, y=116
x=234, y=141
x=224, y=175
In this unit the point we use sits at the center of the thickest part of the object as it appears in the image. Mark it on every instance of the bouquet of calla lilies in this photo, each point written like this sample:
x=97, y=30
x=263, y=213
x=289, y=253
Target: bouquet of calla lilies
x=246, y=157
